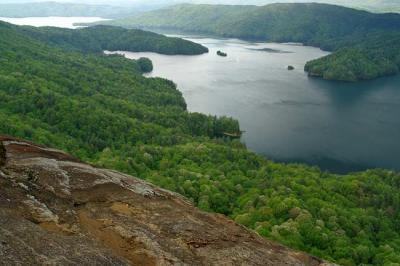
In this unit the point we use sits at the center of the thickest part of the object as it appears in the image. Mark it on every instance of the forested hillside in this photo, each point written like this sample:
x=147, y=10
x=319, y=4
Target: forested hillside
x=100, y=38
x=370, y=5
x=101, y=109
x=370, y=39
x=376, y=55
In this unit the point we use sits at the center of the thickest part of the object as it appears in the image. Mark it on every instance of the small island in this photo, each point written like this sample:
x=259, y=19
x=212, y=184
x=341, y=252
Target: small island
x=220, y=53
x=290, y=67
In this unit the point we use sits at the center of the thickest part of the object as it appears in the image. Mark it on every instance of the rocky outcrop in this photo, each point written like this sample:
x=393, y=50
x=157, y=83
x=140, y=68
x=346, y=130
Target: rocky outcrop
x=56, y=210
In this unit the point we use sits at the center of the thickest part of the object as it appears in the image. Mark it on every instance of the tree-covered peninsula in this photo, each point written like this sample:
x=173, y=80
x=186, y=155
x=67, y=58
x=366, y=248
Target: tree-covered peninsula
x=103, y=110
x=364, y=45
x=100, y=38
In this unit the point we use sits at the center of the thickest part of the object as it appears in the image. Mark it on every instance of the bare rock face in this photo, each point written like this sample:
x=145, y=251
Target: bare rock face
x=56, y=210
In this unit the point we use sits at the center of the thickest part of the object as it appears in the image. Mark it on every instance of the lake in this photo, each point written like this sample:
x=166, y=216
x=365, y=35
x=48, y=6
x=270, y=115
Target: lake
x=287, y=116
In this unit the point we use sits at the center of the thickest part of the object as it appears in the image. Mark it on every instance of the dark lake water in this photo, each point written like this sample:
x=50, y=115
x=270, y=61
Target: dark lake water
x=288, y=116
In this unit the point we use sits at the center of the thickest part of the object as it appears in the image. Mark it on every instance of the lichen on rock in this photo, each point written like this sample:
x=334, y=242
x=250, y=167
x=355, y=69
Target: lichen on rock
x=56, y=210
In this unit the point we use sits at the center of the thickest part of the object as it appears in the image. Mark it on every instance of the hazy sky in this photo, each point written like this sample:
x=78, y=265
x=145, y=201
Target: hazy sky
x=121, y=2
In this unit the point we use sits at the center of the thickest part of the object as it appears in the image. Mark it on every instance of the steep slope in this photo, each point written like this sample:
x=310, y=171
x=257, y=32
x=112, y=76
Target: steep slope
x=330, y=27
x=57, y=210
x=91, y=101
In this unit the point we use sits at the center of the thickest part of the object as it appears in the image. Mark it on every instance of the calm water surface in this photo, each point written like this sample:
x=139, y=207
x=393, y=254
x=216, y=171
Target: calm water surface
x=288, y=116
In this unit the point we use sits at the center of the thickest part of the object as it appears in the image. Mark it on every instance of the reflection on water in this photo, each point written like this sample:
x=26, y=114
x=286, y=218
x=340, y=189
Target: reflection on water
x=288, y=116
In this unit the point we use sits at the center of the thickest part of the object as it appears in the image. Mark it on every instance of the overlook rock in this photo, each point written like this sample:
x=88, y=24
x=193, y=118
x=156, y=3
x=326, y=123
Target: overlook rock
x=56, y=210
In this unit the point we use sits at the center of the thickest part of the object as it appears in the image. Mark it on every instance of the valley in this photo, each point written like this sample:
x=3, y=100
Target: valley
x=315, y=170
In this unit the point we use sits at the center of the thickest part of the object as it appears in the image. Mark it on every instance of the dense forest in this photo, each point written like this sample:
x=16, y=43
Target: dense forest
x=100, y=38
x=377, y=55
x=366, y=38
x=101, y=109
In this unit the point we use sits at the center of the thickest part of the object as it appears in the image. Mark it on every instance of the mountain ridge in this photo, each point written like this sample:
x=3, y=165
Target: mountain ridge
x=123, y=8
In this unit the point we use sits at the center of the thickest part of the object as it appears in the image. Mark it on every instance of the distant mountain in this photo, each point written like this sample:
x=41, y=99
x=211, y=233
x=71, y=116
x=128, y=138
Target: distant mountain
x=119, y=8
x=45, y=9
x=374, y=38
x=371, y=5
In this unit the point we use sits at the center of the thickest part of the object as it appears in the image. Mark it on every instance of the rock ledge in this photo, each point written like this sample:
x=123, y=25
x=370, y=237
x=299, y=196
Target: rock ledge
x=56, y=210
